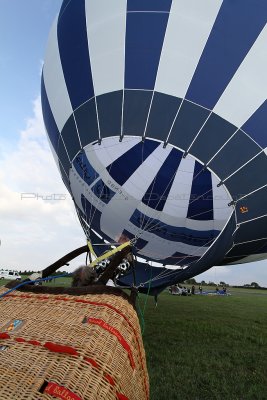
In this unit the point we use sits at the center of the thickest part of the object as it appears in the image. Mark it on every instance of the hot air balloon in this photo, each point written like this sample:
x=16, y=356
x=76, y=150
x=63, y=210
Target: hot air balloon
x=156, y=114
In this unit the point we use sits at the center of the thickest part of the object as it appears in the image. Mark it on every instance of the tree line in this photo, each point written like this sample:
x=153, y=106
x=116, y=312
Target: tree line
x=252, y=285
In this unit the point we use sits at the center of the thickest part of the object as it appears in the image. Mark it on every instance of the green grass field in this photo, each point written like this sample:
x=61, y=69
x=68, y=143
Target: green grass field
x=203, y=347
x=206, y=347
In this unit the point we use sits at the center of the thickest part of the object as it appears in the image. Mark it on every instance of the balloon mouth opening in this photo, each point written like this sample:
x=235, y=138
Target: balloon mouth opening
x=171, y=204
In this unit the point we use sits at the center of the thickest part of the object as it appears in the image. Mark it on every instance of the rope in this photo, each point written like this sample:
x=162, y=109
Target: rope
x=142, y=312
x=142, y=320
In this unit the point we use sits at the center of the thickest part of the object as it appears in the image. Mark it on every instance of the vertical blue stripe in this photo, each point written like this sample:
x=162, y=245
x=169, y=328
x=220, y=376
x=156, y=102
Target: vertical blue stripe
x=74, y=53
x=149, y=5
x=63, y=156
x=188, y=122
x=236, y=28
x=239, y=150
x=215, y=132
x=163, y=111
x=250, y=177
x=64, y=4
x=70, y=137
x=135, y=111
x=86, y=120
x=144, y=38
x=49, y=121
x=109, y=106
x=201, y=199
x=122, y=168
x=256, y=125
x=158, y=191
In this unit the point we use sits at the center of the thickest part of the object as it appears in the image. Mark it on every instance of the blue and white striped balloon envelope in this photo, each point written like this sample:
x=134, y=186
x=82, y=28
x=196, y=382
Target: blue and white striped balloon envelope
x=156, y=114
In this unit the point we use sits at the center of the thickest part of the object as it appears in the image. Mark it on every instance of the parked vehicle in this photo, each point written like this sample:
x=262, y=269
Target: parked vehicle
x=10, y=275
x=175, y=289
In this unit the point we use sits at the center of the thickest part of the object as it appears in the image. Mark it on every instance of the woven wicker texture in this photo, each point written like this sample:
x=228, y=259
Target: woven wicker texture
x=70, y=347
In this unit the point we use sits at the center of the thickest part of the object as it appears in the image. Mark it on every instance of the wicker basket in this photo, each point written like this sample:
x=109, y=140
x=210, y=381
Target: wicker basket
x=70, y=347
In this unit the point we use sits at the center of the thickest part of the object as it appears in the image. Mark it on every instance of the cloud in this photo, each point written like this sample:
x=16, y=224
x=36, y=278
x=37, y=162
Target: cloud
x=238, y=274
x=35, y=229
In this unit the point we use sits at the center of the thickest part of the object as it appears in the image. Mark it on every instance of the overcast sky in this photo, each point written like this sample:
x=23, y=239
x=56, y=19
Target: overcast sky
x=35, y=230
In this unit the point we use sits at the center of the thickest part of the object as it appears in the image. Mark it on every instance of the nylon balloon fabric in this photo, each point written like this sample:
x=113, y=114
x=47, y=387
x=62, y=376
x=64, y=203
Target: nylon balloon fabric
x=155, y=113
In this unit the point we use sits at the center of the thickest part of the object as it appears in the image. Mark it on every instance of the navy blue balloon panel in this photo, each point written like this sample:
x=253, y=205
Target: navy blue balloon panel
x=122, y=168
x=143, y=48
x=228, y=44
x=201, y=199
x=74, y=53
x=135, y=103
x=255, y=126
x=157, y=193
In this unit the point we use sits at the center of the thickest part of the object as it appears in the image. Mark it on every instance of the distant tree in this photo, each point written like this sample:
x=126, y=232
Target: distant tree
x=222, y=283
x=191, y=281
x=211, y=284
x=254, y=284
x=203, y=283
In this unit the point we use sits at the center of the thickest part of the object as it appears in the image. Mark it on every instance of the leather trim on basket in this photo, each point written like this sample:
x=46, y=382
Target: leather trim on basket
x=73, y=291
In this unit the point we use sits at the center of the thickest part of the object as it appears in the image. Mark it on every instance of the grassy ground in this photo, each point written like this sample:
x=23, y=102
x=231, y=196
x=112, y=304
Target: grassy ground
x=206, y=347
x=203, y=347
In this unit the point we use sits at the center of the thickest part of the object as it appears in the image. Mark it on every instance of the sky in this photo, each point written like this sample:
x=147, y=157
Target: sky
x=38, y=223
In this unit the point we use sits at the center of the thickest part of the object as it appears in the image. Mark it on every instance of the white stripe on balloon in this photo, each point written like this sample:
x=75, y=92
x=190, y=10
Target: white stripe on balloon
x=188, y=29
x=106, y=26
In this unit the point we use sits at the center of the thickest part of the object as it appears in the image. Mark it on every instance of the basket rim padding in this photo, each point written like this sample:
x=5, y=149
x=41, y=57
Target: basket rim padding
x=73, y=291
